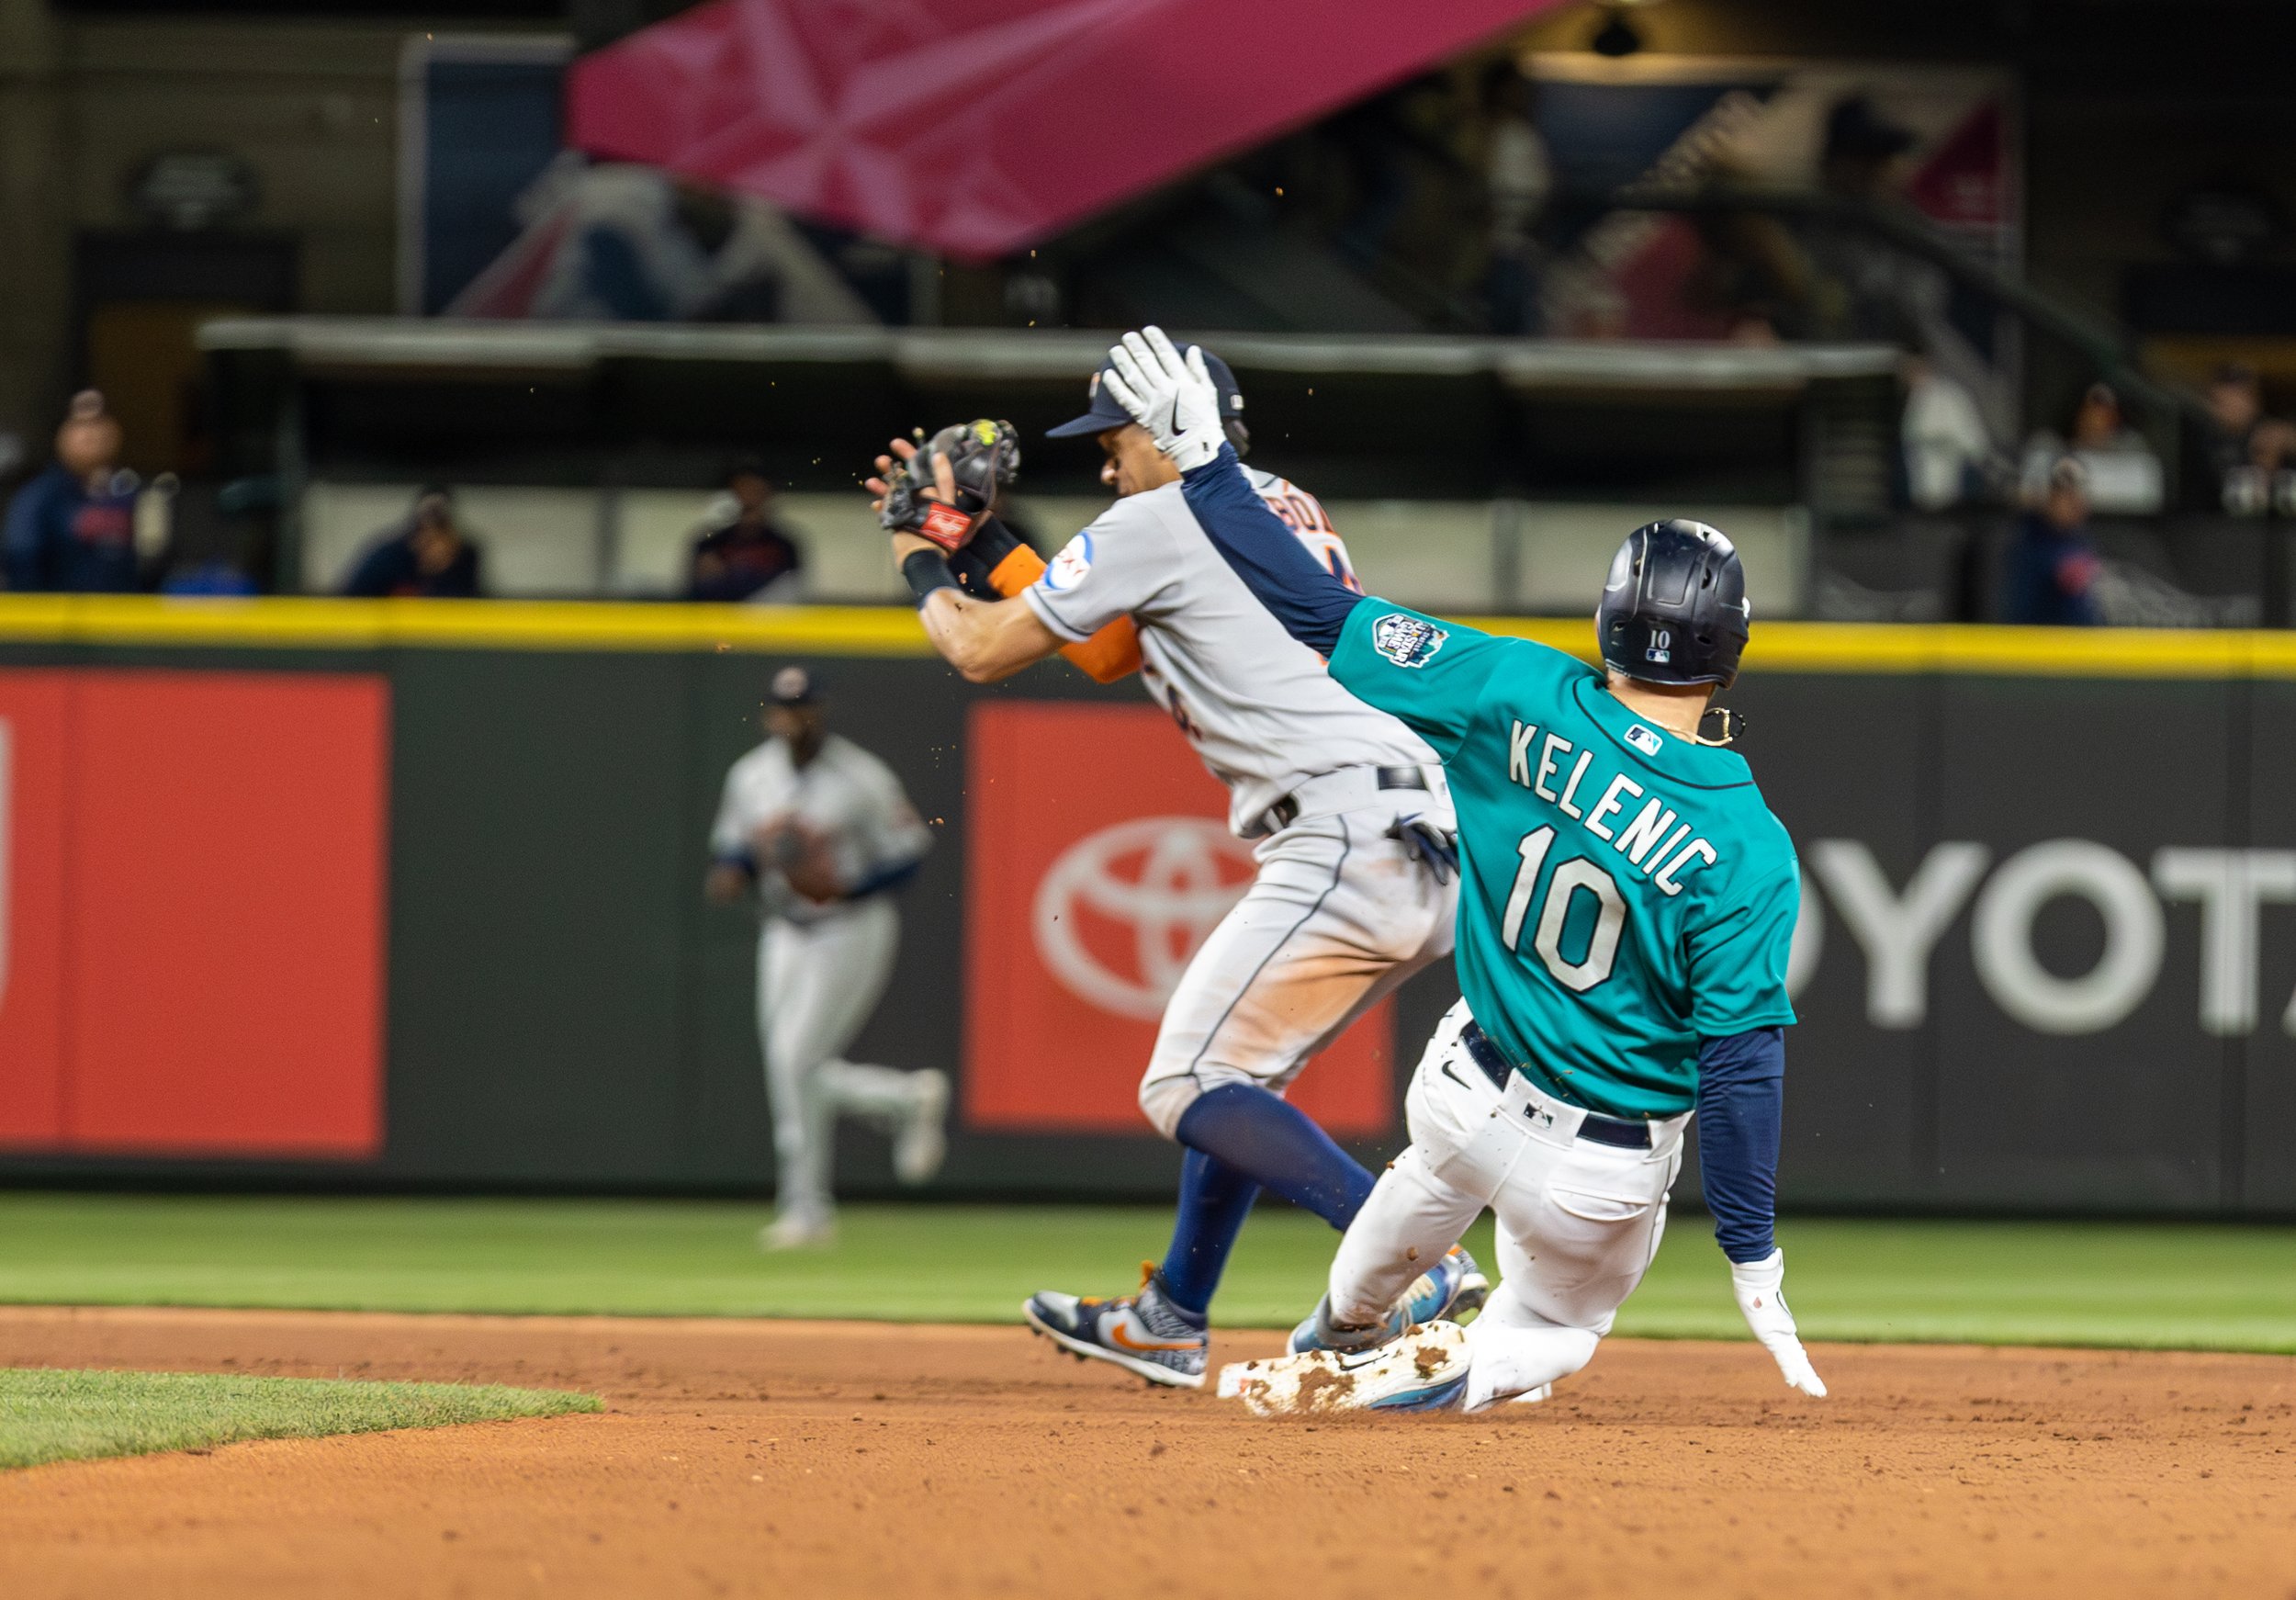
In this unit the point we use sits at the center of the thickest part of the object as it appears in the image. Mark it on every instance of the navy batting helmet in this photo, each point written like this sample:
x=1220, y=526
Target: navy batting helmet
x=1674, y=606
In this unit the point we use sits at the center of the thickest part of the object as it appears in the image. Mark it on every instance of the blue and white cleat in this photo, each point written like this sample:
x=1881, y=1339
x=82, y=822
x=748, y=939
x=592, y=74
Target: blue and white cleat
x=1448, y=1290
x=1320, y=1333
x=1423, y=1370
x=1144, y=1334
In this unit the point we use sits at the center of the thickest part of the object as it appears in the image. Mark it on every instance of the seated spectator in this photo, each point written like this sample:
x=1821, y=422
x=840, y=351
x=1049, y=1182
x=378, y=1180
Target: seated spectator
x=743, y=553
x=72, y=527
x=2053, y=564
x=2246, y=448
x=2124, y=476
x=428, y=557
x=1943, y=439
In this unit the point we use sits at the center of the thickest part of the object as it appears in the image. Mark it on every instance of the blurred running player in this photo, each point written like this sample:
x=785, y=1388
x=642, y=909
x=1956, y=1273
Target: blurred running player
x=820, y=831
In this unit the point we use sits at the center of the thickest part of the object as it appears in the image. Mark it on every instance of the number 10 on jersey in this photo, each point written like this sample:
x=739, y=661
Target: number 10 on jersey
x=1568, y=880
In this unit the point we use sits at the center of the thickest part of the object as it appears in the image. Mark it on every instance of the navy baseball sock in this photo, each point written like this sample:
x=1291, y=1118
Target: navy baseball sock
x=1214, y=1199
x=1263, y=1137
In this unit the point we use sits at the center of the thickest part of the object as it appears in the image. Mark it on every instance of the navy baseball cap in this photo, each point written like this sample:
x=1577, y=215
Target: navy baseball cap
x=796, y=685
x=1106, y=414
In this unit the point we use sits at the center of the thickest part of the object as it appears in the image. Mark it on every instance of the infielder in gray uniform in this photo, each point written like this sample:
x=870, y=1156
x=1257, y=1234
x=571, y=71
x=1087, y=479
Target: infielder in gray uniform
x=821, y=832
x=1348, y=806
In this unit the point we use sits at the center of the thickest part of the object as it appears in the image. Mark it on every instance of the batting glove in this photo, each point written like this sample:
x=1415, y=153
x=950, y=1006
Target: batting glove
x=1436, y=846
x=1170, y=394
x=1760, y=1289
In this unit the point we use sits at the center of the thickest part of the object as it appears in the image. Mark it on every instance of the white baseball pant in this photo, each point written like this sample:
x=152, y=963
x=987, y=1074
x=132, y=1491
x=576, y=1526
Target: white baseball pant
x=817, y=983
x=1579, y=1222
x=1337, y=918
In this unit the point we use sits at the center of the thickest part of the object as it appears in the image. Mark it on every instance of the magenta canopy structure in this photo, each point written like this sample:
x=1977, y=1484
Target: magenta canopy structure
x=977, y=128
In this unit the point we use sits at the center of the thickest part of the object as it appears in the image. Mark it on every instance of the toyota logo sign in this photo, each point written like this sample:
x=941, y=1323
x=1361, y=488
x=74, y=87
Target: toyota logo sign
x=1121, y=912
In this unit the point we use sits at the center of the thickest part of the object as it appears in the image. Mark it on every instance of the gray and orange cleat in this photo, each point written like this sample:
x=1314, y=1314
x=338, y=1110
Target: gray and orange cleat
x=1144, y=1334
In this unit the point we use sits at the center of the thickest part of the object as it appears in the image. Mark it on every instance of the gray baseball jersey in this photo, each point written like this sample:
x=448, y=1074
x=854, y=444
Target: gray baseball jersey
x=847, y=796
x=1255, y=703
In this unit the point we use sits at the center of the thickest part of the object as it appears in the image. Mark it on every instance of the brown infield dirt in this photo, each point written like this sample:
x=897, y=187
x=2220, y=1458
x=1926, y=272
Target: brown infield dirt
x=791, y=1459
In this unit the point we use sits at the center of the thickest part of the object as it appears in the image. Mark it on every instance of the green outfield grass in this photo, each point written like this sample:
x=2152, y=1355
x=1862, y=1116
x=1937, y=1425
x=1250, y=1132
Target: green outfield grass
x=48, y=1415
x=2171, y=1285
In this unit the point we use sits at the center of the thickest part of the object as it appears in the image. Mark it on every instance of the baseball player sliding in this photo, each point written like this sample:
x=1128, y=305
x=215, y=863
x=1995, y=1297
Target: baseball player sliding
x=1627, y=905
x=1353, y=894
x=820, y=831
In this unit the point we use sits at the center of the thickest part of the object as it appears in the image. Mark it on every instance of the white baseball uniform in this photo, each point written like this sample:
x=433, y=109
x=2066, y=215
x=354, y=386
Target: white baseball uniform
x=1579, y=1222
x=1339, y=913
x=822, y=968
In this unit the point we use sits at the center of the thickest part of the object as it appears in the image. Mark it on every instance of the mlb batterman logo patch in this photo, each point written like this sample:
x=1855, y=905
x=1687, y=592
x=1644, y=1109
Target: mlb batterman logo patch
x=1643, y=739
x=1408, y=641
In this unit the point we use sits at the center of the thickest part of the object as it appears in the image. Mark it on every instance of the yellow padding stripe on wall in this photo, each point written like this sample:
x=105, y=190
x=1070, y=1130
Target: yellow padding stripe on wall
x=491, y=625
x=892, y=630
x=1985, y=652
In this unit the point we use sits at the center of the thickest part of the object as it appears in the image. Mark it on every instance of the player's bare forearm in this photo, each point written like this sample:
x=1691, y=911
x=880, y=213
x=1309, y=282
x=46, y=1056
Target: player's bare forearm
x=985, y=640
x=1108, y=656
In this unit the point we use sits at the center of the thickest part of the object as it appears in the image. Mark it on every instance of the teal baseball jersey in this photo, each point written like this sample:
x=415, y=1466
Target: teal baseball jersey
x=1626, y=892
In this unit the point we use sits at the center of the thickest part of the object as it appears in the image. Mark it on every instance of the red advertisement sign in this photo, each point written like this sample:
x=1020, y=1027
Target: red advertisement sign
x=1098, y=859
x=192, y=912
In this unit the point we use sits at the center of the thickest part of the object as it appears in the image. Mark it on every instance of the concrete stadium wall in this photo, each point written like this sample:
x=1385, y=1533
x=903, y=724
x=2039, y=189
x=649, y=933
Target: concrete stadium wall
x=2045, y=964
x=1456, y=554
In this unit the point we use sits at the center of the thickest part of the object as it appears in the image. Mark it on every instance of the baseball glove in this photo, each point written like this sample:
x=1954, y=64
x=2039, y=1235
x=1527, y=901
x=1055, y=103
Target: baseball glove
x=802, y=856
x=964, y=464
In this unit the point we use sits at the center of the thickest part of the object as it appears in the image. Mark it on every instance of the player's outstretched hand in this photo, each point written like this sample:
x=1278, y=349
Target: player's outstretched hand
x=1760, y=1289
x=1170, y=394
x=890, y=469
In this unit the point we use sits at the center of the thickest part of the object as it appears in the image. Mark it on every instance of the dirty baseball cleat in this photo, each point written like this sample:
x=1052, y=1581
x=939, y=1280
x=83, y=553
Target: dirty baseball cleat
x=1144, y=1334
x=1448, y=1290
x=1423, y=1370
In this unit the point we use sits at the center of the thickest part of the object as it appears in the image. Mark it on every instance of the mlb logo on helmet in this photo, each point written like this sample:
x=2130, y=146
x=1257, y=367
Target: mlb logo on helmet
x=1661, y=647
x=1408, y=641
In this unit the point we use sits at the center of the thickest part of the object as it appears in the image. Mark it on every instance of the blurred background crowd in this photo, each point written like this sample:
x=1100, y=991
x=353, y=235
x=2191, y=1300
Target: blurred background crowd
x=1979, y=312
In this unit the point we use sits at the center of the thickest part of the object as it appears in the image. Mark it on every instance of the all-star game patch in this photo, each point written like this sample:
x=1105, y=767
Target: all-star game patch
x=1408, y=641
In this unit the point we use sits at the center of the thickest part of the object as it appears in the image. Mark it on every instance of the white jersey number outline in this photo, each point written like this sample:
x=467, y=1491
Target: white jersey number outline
x=1570, y=877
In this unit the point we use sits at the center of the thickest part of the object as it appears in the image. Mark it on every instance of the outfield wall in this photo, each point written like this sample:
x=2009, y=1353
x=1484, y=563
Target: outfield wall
x=407, y=893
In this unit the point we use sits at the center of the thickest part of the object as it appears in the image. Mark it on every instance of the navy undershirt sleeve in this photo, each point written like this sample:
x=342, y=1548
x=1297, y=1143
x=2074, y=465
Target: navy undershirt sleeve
x=1303, y=594
x=1741, y=1104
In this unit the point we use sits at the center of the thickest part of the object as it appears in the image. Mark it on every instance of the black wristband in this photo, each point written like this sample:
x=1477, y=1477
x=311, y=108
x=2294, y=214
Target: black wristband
x=993, y=541
x=927, y=571
x=973, y=575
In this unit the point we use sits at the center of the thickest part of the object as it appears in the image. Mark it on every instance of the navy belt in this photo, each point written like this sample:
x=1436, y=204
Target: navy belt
x=1618, y=1131
x=1285, y=811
